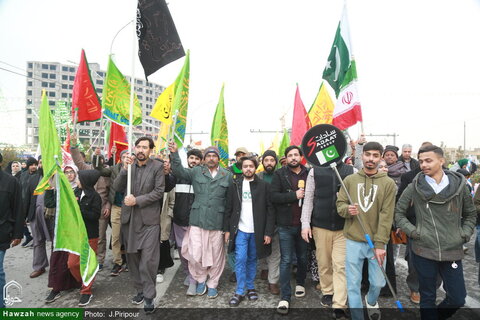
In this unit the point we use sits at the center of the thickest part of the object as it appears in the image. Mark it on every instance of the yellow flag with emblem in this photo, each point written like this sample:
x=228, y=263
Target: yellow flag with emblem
x=321, y=111
x=163, y=106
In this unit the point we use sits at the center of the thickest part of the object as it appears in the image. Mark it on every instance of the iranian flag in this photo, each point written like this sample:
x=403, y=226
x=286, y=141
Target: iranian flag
x=341, y=73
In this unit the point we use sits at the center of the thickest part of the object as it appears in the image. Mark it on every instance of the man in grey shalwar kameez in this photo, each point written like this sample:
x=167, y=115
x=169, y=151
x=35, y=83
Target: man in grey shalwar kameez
x=141, y=220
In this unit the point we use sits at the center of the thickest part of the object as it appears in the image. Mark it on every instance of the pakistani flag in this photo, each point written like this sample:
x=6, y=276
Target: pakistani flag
x=341, y=73
x=327, y=154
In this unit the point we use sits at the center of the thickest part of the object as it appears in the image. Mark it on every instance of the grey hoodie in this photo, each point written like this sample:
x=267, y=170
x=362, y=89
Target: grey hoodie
x=445, y=221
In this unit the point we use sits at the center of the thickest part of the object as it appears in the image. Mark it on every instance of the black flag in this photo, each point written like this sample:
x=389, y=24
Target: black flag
x=158, y=40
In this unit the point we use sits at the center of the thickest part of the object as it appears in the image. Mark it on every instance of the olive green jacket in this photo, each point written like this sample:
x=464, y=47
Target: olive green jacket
x=444, y=221
x=208, y=208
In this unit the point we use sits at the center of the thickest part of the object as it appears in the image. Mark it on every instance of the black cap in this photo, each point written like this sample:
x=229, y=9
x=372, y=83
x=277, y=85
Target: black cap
x=394, y=149
x=270, y=153
x=195, y=152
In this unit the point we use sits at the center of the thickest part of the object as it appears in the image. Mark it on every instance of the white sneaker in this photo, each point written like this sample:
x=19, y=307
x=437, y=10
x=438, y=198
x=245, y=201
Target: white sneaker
x=373, y=311
x=176, y=256
x=160, y=278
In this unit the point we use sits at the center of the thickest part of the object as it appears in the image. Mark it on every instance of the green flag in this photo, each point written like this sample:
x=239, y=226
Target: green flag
x=116, y=97
x=70, y=232
x=49, y=144
x=219, y=133
x=180, y=101
x=284, y=144
x=338, y=59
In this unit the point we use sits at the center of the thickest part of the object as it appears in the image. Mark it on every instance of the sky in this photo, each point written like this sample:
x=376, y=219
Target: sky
x=417, y=61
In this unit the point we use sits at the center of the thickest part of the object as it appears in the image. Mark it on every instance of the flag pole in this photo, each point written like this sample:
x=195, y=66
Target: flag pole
x=345, y=10
x=171, y=134
x=130, y=120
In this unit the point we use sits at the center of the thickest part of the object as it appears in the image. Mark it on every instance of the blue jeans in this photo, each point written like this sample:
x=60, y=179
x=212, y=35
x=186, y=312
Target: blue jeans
x=2, y=277
x=291, y=243
x=453, y=283
x=245, y=261
x=357, y=252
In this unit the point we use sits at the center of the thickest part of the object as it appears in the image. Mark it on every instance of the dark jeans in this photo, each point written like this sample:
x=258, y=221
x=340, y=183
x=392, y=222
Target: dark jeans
x=291, y=242
x=453, y=283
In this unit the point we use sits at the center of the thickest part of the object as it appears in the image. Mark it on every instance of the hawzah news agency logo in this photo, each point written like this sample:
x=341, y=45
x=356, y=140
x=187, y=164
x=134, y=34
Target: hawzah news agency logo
x=12, y=292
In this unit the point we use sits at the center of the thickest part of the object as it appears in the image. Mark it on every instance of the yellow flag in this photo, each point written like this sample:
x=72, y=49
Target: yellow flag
x=163, y=107
x=262, y=147
x=275, y=143
x=322, y=109
x=161, y=143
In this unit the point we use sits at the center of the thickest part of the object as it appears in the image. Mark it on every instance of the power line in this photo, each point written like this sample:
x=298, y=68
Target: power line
x=29, y=77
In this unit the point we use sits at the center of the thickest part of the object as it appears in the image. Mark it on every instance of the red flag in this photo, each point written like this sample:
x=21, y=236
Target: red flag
x=84, y=98
x=301, y=122
x=118, y=138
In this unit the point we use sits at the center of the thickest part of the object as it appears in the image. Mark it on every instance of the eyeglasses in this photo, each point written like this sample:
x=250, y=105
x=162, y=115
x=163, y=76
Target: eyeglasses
x=69, y=172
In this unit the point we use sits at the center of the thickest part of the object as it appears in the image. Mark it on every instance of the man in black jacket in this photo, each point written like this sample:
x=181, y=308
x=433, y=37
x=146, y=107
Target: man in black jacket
x=11, y=219
x=249, y=223
x=321, y=219
x=287, y=193
x=270, y=266
x=184, y=197
x=31, y=166
x=41, y=227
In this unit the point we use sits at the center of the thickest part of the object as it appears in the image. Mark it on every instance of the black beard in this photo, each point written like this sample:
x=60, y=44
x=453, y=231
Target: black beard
x=293, y=165
x=269, y=169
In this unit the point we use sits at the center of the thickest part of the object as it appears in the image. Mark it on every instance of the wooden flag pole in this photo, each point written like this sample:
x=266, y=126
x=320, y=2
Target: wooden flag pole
x=130, y=120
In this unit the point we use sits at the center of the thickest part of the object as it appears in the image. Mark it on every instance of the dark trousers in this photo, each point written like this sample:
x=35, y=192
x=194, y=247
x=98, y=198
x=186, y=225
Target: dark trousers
x=453, y=283
x=291, y=242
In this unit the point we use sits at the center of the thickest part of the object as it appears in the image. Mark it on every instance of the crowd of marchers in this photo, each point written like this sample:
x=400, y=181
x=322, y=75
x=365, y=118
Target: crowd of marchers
x=263, y=214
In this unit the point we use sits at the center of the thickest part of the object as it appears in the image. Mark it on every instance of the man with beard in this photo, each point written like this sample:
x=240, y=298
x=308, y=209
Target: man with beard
x=287, y=193
x=140, y=219
x=184, y=197
x=373, y=196
x=250, y=226
x=239, y=153
x=203, y=245
x=270, y=266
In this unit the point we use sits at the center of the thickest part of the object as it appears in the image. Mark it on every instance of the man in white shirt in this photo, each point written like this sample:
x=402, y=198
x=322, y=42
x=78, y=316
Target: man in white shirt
x=250, y=227
x=445, y=218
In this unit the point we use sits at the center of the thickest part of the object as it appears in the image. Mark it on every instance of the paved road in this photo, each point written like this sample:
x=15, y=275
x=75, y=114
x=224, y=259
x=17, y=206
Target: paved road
x=116, y=292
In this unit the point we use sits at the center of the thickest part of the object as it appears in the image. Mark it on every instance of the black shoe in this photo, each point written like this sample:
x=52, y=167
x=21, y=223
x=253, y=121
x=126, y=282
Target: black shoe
x=27, y=241
x=339, y=314
x=100, y=267
x=116, y=270
x=327, y=300
x=54, y=295
x=85, y=299
x=138, y=298
x=233, y=278
x=148, y=306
